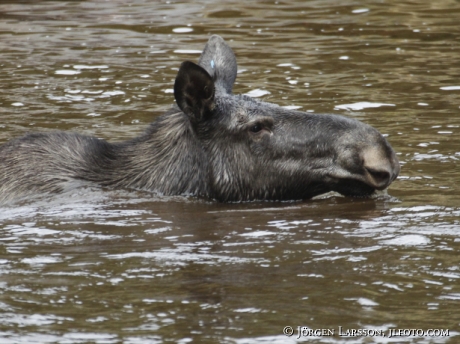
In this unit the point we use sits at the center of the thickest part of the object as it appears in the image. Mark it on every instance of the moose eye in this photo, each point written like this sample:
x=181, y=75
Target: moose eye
x=256, y=128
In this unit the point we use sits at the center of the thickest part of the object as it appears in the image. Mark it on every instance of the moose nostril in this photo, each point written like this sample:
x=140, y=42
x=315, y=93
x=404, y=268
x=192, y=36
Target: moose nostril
x=381, y=166
x=381, y=177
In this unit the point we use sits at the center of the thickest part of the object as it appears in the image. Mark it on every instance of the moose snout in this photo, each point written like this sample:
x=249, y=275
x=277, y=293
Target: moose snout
x=380, y=167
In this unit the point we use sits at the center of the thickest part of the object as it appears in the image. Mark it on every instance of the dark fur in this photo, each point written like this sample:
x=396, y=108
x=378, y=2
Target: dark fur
x=214, y=144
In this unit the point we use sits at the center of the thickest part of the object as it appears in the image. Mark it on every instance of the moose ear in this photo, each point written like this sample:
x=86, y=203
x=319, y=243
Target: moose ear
x=220, y=62
x=194, y=91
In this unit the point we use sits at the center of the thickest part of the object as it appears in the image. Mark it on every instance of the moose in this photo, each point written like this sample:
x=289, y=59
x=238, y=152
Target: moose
x=212, y=144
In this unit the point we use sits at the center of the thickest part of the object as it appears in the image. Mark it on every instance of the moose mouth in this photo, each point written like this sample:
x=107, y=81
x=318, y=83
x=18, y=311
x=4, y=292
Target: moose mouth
x=354, y=188
x=365, y=186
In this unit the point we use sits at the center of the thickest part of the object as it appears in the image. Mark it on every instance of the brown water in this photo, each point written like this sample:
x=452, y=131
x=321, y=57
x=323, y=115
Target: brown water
x=103, y=266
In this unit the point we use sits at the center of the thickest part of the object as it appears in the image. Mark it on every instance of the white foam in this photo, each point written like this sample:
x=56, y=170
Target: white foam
x=360, y=106
x=256, y=93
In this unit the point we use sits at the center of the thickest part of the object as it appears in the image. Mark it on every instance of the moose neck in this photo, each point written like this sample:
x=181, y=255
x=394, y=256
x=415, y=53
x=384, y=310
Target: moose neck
x=167, y=158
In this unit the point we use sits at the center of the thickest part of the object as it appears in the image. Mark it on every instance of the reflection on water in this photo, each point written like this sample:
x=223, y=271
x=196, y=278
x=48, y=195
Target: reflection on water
x=109, y=266
x=143, y=268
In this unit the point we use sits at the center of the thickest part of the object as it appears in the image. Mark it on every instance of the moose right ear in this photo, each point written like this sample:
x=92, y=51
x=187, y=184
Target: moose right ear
x=194, y=91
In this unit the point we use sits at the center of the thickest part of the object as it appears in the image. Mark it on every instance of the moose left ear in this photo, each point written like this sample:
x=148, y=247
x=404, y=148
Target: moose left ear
x=194, y=91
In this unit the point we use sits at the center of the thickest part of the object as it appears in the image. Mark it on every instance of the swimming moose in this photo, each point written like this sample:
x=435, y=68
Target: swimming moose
x=212, y=144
